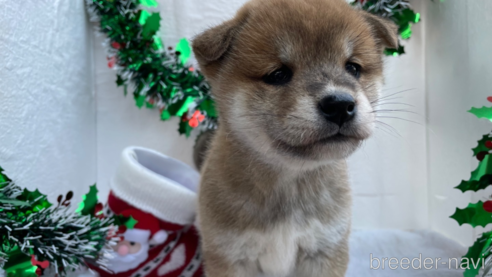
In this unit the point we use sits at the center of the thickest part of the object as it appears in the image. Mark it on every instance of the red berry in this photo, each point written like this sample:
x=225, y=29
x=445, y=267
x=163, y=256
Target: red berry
x=488, y=144
x=489, y=98
x=481, y=155
x=116, y=45
x=487, y=206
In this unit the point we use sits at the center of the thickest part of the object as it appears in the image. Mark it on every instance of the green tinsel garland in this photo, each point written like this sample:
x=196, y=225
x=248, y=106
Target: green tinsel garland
x=160, y=77
x=36, y=235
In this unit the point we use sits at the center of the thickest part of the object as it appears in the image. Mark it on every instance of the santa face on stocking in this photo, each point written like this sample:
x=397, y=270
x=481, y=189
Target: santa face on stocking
x=130, y=252
x=159, y=194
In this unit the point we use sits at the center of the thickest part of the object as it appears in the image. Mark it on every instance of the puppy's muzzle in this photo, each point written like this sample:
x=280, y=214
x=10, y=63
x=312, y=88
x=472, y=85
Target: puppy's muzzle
x=338, y=108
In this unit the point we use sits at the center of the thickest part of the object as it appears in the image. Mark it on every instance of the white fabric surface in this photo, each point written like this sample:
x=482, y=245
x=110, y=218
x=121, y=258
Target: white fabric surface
x=399, y=244
x=402, y=244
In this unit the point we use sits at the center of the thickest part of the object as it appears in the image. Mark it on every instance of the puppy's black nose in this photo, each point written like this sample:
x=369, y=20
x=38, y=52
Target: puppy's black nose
x=338, y=108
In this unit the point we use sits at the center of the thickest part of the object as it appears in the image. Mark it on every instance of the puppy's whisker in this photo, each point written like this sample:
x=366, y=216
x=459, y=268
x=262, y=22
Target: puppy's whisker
x=394, y=111
x=392, y=94
x=399, y=118
x=393, y=129
x=386, y=132
x=393, y=103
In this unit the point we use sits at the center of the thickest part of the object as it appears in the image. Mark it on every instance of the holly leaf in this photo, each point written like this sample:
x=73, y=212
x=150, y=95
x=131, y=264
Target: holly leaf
x=181, y=106
x=152, y=25
x=140, y=101
x=3, y=177
x=483, y=112
x=484, y=168
x=19, y=264
x=185, y=128
x=144, y=15
x=480, y=177
x=89, y=202
x=120, y=81
x=184, y=48
x=395, y=52
x=481, y=145
x=474, y=215
x=157, y=43
x=208, y=106
x=37, y=201
x=476, y=252
x=473, y=185
x=165, y=115
x=149, y=3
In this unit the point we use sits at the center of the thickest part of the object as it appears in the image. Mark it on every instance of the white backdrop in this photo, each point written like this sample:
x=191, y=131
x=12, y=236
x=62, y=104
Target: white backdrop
x=47, y=108
x=57, y=135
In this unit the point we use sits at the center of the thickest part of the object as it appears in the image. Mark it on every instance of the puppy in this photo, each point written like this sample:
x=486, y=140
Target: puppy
x=294, y=82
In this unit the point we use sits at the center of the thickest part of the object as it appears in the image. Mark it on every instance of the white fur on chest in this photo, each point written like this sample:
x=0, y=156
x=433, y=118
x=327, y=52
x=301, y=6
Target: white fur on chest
x=275, y=251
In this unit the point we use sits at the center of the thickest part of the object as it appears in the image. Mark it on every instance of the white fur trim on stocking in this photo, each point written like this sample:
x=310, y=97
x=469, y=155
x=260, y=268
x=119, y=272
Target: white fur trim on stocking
x=157, y=184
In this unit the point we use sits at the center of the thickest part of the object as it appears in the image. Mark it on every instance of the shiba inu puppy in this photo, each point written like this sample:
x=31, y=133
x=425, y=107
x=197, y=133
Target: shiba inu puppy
x=294, y=83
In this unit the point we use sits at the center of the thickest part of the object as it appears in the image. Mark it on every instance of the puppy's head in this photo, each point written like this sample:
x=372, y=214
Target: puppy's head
x=296, y=79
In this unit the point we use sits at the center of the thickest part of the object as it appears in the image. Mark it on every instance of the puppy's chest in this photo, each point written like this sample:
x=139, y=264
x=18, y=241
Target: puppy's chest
x=276, y=250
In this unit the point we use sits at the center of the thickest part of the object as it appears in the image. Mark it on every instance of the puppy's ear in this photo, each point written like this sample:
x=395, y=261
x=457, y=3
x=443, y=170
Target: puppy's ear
x=384, y=30
x=210, y=46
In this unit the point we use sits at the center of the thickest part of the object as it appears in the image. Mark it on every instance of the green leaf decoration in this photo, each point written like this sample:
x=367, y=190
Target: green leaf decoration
x=480, y=177
x=130, y=222
x=208, y=106
x=474, y=215
x=395, y=52
x=165, y=115
x=3, y=178
x=157, y=43
x=19, y=264
x=184, y=48
x=185, y=128
x=484, y=168
x=476, y=252
x=481, y=145
x=89, y=202
x=140, y=101
x=149, y=3
x=37, y=201
x=473, y=185
x=144, y=15
x=152, y=25
x=404, y=20
x=483, y=112
x=120, y=81
x=181, y=106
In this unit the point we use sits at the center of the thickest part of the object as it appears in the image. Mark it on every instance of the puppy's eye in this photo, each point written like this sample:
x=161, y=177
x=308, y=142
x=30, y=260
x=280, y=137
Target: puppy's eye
x=353, y=69
x=132, y=243
x=279, y=77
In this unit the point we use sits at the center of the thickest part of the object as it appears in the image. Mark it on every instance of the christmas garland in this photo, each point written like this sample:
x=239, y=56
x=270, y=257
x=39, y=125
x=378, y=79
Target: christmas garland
x=37, y=236
x=479, y=254
x=162, y=78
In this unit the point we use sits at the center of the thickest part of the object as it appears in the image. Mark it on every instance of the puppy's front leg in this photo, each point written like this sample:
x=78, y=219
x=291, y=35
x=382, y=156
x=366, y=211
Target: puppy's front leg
x=217, y=265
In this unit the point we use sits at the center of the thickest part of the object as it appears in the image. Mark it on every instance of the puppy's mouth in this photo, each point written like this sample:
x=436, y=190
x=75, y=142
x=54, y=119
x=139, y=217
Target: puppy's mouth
x=333, y=139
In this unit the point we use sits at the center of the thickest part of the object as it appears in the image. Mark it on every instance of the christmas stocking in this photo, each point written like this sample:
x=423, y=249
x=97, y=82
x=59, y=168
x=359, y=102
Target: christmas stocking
x=160, y=194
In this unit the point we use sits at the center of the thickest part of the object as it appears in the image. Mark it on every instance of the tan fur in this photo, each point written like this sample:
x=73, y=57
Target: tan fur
x=274, y=198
